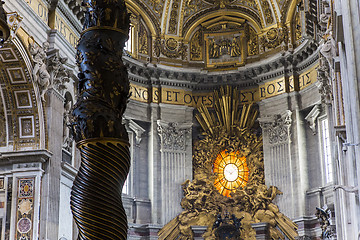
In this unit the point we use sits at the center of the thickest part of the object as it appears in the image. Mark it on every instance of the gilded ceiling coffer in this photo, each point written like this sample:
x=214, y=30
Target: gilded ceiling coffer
x=101, y=137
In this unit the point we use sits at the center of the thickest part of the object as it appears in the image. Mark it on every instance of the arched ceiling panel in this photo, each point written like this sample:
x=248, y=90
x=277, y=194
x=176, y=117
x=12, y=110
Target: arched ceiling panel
x=148, y=14
x=20, y=119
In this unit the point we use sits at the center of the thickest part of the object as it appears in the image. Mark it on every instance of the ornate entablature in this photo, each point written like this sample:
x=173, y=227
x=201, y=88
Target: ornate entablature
x=194, y=87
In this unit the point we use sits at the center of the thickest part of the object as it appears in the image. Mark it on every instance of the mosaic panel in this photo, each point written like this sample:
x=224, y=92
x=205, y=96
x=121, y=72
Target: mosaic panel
x=26, y=187
x=26, y=126
x=8, y=55
x=25, y=210
x=23, y=99
x=16, y=75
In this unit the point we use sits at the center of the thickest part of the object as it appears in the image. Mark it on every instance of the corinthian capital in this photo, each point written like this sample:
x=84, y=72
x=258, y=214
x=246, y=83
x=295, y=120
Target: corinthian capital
x=277, y=127
x=173, y=135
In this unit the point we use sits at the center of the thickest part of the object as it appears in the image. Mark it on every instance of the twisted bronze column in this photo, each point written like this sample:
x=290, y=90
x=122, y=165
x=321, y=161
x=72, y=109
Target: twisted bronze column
x=96, y=122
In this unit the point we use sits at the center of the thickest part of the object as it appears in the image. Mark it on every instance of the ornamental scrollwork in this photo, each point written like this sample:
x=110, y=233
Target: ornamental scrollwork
x=173, y=17
x=157, y=47
x=267, y=11
x=143, y=40
x=171, y=48
x=274, y=37
x=253, y=42
x=297, y=27
x=157, y=6
x=196, y=45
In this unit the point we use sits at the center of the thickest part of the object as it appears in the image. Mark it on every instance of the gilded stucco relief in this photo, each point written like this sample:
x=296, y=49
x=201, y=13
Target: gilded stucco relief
x=182, y=38
x=20, y=101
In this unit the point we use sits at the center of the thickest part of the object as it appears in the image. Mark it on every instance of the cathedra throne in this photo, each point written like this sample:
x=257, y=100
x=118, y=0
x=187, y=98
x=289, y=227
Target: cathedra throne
x=229, y=176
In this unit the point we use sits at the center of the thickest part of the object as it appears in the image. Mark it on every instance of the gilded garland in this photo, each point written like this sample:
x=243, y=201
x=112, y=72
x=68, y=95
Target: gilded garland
x=228, y=175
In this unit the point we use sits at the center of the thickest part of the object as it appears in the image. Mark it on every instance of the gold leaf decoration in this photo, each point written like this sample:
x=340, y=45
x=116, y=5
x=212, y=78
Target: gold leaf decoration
x=196, y=47
x=143, y=40
x=267, y=12
x=253, y=43
x=230, y=128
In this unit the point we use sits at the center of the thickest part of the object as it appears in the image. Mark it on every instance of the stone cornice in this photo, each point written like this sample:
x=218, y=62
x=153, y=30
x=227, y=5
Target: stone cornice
x=245, y=77
x=28, y=156
x=69, y=12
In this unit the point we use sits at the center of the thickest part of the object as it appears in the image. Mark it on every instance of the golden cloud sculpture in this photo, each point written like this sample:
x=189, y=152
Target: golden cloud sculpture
x=229, y=175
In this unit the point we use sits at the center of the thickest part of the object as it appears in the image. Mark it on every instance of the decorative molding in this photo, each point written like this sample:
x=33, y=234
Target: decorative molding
x=277, y=127
x=137, y=129
x=173, y=135
x=312, y=116
x=14, y=21
x=196, y=79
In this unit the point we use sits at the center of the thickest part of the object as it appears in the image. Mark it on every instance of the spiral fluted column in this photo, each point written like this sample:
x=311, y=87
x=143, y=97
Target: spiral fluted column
x=97, y=127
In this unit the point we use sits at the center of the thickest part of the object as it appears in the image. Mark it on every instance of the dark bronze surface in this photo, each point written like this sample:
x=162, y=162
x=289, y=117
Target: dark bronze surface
x=97, y=127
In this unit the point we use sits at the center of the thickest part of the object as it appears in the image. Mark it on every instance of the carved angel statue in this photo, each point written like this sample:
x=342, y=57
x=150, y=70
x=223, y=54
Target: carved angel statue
x=40, y=73
x=324, y=215
x=59, y=74
x=67, y=140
